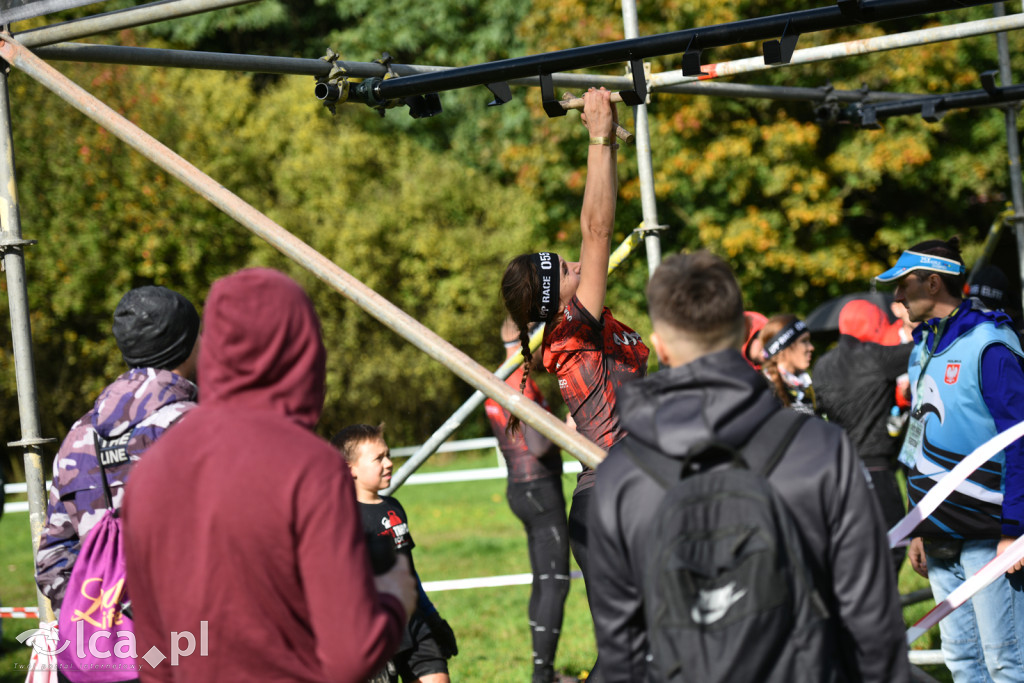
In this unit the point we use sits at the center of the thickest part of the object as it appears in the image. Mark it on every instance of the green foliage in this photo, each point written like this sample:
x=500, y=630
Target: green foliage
x=106, y=220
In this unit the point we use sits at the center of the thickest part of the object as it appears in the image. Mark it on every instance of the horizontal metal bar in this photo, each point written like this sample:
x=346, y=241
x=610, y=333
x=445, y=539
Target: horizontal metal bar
x=852, y=48
x=296, y=66
x=195, y=59
x=720, y=35
x=121, y=19
x=942, y=103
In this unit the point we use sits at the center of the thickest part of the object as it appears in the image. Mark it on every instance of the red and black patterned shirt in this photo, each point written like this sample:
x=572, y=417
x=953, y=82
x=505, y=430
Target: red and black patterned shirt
x=592, y=359
x=529, y=454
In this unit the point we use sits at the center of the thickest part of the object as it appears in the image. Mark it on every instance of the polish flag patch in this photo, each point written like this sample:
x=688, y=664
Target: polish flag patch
x=952, y=373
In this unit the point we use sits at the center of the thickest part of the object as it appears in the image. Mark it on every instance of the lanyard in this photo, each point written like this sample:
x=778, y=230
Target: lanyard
x=927, y=357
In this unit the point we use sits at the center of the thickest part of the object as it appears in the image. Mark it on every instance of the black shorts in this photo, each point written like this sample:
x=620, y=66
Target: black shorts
x=424, y=657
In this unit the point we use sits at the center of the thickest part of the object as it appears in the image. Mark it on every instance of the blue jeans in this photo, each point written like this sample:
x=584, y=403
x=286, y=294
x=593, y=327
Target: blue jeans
x=983, y=639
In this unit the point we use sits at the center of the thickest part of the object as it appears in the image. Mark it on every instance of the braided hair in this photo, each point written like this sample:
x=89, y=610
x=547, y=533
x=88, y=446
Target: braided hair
x=519, y=286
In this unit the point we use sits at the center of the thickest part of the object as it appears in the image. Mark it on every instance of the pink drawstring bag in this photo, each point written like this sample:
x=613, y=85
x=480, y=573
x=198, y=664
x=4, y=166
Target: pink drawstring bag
x=95, y=622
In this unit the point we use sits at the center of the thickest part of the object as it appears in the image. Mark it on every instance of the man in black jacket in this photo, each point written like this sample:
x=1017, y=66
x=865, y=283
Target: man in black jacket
x=709, y=391
x=855, y=384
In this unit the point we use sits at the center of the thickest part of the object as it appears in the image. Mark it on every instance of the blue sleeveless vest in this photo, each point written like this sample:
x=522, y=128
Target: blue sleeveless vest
x=956, y=421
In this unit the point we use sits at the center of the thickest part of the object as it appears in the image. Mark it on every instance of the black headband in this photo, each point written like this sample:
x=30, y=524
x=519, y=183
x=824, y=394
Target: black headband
x=545, y=300
x=789, y=334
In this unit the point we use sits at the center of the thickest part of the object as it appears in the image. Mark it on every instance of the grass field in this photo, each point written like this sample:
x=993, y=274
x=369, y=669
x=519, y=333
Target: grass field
x=462, y=530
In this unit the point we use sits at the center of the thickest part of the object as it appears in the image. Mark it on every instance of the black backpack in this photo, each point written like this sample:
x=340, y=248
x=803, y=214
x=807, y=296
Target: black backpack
x=727, y=596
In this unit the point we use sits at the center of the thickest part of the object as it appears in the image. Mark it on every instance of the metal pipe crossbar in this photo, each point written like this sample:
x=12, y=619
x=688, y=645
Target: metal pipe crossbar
x=840, y=15
x=121, y=19
x=853, y=48
x=297, y=66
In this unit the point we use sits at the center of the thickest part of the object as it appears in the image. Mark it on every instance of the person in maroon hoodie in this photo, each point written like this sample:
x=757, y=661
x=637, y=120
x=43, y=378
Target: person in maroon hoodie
x=246, y=558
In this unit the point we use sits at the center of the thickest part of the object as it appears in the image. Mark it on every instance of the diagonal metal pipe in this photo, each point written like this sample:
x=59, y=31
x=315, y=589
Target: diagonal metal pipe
x=291, y=246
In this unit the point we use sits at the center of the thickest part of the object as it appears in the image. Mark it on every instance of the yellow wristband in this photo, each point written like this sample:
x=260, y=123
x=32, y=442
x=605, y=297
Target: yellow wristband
x=601, y=141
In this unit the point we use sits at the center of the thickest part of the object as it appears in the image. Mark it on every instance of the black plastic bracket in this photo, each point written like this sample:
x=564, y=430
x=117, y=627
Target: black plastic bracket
x=552, y=107
x=638, y=95
x=988, y=82
x=869, y=118
x=423, y=106
x=691, y=59
x=781, y=51
x=502, y=93
x=929, y=110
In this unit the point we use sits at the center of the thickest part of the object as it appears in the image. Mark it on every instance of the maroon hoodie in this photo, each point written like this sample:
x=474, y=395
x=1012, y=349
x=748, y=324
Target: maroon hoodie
x=241, y=525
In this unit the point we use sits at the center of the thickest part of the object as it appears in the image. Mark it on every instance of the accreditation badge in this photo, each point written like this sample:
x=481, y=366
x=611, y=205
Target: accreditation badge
x=914, y=442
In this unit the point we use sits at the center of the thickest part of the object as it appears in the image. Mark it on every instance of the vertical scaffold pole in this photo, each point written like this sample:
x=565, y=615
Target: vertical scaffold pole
x=645, y=168
x=1013, y=148
x=13, y=245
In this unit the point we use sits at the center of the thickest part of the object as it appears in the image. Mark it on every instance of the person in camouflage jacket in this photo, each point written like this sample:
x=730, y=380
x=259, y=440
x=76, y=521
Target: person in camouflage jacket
x=157, y=331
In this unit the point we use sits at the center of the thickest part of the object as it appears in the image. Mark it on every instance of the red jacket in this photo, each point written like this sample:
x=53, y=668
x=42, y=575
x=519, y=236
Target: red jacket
x=242, y=525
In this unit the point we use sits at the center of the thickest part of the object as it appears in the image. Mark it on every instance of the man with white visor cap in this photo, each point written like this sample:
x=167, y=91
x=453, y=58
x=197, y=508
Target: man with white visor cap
x=967, y=381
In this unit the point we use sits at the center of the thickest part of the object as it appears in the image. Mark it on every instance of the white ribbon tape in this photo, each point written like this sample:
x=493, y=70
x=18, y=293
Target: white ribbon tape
x=986, y=575
x=945, y=486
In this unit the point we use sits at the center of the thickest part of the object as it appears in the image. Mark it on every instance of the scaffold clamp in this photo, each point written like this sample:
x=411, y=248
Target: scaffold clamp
x=334, y=88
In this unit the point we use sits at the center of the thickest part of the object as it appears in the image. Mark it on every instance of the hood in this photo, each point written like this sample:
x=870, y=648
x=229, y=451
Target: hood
x=136, y=395
x=718, y=395
x=262, y=347
x=970, y=313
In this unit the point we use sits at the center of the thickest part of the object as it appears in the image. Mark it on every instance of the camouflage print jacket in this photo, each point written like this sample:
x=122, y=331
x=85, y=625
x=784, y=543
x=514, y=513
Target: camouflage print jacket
x=144, y=400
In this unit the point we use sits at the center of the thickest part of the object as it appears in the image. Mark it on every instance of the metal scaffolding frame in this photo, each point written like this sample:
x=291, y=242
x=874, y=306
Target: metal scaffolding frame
x=49, y=43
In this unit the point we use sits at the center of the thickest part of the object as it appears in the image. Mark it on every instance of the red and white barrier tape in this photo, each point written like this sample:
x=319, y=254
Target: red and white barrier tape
x=19, y=612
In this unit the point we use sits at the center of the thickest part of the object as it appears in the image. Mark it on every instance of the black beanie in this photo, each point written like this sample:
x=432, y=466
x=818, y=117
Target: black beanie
x=155, y=327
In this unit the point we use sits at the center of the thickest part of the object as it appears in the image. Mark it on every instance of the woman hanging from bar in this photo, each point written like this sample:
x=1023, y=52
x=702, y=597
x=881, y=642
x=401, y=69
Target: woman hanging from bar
x=590, y=352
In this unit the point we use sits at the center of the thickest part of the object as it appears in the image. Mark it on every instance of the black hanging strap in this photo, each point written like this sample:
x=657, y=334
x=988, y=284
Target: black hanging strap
x=110, y=454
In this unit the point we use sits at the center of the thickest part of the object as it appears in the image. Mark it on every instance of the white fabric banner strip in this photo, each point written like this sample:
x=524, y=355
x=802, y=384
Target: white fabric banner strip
x=485, y=582
x=899, y=533
x=986, y=575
